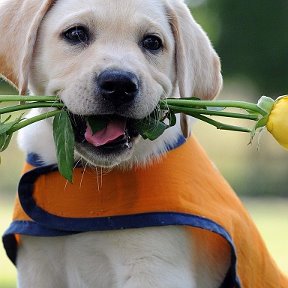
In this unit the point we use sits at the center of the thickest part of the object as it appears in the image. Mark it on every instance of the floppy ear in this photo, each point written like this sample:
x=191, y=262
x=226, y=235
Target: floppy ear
x=197, y=64
x=19, y=23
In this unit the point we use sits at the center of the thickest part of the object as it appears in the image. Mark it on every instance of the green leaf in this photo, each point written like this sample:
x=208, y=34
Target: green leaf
x=65, y=141
x=96, y=124
x=172, y=119
x=4, y=141
x=262, y=122
x=5, y=133
x=150, y=128
x=5, y=126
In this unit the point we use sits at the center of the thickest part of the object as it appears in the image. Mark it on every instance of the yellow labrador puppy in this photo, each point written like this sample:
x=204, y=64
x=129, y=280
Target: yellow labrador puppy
x=115, y=58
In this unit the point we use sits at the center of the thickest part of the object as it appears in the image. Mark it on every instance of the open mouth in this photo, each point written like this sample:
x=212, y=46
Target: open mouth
x=109, y=133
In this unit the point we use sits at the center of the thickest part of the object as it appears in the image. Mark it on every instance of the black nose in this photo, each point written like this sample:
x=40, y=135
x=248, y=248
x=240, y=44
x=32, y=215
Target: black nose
x=118, y=87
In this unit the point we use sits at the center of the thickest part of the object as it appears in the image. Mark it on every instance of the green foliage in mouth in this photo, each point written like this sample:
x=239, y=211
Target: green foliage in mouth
x=151, y=127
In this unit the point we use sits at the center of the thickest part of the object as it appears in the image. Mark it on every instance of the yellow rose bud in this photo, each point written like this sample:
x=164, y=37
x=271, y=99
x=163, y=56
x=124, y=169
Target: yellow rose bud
x=277, y=123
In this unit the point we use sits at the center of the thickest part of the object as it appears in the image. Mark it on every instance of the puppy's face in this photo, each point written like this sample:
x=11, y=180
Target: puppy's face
x=111, y=59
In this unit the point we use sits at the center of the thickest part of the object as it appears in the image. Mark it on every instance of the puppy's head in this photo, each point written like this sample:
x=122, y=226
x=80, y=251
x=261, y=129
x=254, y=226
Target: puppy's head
x=110, y=59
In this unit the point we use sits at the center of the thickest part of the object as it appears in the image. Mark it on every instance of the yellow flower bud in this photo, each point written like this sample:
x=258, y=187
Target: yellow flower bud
x=277, y=123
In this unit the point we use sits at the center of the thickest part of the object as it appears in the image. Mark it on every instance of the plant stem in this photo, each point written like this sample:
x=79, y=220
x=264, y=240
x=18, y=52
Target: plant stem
x=190, y=111
x=15, y=98
x=220, y=125
x=30, y=106
x=195, y=108
x=206, y=103
x=34, y=119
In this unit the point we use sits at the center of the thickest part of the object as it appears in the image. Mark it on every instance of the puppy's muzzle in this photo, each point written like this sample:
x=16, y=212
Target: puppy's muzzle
x=118, y=87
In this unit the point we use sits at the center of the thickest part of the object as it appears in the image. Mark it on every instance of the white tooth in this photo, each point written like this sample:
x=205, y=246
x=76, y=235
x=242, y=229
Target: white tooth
x=128, y=145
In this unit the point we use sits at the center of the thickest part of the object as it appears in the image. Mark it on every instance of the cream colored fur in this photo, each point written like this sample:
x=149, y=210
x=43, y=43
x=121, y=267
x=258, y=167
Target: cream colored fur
x=33, y=54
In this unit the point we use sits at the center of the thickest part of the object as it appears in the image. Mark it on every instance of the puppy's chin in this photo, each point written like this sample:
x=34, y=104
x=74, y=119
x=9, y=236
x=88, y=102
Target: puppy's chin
x=108, y=146
x=107, y=157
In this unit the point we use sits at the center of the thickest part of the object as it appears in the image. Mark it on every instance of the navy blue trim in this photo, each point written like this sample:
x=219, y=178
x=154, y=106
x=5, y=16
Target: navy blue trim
x=34, y=229
x=34, y=160
x=116, y=223
x=180, y=141
x=10, y=245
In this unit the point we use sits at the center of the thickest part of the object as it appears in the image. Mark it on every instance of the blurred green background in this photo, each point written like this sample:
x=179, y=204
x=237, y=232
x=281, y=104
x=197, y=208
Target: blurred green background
x=252, y=41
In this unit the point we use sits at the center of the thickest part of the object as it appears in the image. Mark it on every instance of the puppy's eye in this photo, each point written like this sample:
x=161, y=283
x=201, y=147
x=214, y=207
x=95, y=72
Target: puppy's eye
x=152, y=43
x=77, y=35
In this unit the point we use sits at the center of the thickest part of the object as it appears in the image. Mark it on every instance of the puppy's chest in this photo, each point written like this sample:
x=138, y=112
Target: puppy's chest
x=111, y=258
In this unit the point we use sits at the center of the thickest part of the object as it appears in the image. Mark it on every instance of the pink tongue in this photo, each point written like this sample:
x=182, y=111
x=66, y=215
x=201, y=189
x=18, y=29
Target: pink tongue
x=114, y=130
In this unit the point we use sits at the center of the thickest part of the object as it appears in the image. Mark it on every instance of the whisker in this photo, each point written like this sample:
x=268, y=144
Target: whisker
x=97, y=175
x=82, y=176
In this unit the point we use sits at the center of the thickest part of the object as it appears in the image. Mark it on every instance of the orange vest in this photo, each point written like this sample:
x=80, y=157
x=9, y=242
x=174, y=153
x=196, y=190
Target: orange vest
x=184, y=188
